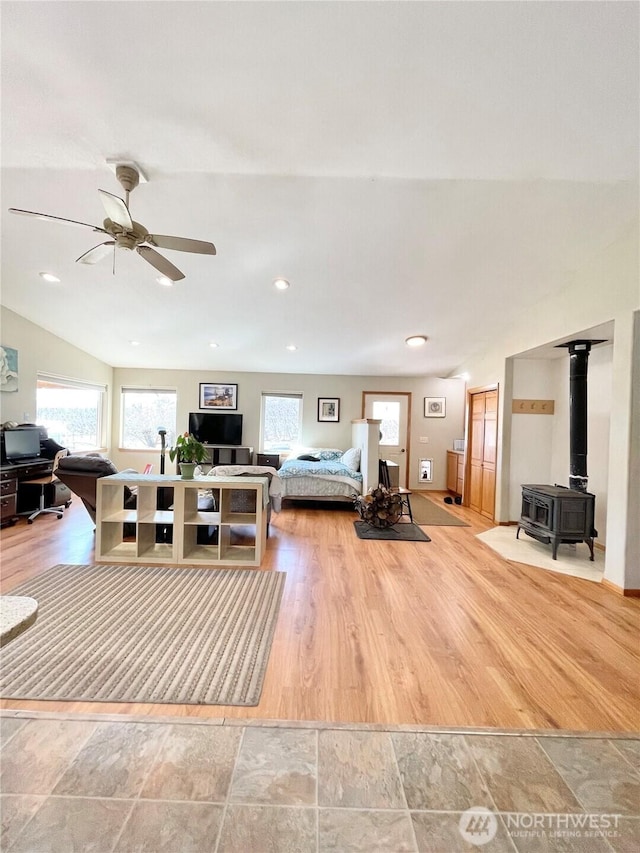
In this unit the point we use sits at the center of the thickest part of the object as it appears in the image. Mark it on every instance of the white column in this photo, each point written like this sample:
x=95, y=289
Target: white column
x=365, y=434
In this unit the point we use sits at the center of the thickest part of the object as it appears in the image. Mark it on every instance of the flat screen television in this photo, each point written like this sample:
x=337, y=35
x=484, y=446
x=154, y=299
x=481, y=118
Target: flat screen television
x=219, y=428
x=21, y=443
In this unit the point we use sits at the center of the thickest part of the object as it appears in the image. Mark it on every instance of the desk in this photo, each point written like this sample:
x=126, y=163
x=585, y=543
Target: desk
x=11, y=476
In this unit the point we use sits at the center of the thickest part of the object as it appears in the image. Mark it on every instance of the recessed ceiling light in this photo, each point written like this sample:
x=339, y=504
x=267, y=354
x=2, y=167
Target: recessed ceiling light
x=292, y=347
x=416, y=341
x=135, y=343
x=49, y=276
x=213, y=345
x=165, y=280
x=281, y=284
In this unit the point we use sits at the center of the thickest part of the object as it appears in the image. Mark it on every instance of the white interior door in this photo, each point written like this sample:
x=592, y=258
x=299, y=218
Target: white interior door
x=393, y=410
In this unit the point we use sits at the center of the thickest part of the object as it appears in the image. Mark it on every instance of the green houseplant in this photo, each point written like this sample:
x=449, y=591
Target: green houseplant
x=189, y=452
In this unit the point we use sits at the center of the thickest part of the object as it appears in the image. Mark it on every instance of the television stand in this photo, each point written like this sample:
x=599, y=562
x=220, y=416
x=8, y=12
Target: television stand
x=228, y=454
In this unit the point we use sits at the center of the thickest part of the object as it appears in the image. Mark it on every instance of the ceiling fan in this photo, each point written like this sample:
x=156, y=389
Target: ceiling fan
x=127, y=234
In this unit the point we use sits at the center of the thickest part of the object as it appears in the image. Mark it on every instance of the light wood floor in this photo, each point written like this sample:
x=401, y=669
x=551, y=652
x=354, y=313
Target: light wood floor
x=445, y=633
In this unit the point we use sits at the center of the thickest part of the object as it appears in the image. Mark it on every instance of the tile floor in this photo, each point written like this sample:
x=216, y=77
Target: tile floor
x=107, y=783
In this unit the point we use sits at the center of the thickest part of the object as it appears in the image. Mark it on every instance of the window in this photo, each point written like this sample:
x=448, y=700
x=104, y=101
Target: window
x=144, y=412
x=388, y=413
x=72, y=411
x=281, y=421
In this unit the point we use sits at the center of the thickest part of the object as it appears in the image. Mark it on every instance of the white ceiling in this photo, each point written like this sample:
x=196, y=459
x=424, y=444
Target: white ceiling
x=412, y=168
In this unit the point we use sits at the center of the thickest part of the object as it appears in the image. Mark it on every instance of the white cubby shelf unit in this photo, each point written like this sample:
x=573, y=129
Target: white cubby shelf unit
x=194, y=530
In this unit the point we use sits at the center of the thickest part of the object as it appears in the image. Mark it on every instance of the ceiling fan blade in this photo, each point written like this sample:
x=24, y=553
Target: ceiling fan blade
x=97, y=253
x=181, y=244
x=117, y=210
x=161, y=264
x=46, y=217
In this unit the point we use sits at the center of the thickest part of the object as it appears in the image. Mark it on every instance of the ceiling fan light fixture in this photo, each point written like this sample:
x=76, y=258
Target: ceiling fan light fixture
x=114, y=164
x=49, y=276
x=281, y=284
x=416, y=340
x=292, y=347
x=125, y=233
x=214, y=345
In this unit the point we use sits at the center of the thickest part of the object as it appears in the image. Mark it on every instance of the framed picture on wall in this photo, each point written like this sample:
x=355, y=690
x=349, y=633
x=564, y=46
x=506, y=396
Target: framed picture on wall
x=223, y=395
x=8, y=369
x=329, y=409
x=435, y=407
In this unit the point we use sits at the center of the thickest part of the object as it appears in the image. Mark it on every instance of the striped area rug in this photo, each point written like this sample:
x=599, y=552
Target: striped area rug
x=145, y=634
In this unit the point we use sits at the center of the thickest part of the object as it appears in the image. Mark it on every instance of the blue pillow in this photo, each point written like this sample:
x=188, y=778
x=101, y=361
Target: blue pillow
x=330, y=455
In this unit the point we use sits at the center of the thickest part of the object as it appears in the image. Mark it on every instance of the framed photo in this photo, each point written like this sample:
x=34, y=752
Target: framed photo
x=329, y=409
x=223, y=395
x=425, y=474
x=435, y=407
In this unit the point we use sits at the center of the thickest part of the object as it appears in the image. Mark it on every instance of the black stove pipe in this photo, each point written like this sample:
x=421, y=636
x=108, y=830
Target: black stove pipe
x=578, y=364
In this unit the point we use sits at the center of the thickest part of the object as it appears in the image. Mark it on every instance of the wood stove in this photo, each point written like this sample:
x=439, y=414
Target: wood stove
x=555, y=514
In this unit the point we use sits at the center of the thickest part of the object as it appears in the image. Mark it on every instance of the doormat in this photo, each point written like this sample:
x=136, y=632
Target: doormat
x=399, y=532
x=145, y=634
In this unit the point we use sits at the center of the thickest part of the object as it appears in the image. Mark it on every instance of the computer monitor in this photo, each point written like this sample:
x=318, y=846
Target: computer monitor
x=21, y=443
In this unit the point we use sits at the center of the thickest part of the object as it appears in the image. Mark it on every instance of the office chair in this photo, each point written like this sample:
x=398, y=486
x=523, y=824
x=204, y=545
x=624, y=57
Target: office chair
x=43, y=482
x=405, y=494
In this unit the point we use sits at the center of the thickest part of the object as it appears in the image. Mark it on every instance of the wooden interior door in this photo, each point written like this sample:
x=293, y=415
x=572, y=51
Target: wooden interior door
x=476, y=435
x=489, y=447
x=483, y=434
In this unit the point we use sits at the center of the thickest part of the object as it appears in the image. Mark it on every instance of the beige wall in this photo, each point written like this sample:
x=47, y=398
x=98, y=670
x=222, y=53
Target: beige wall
x=608, y=290
x=531, y=435
x=540, y=443
x=440, y=431
x=39, y=350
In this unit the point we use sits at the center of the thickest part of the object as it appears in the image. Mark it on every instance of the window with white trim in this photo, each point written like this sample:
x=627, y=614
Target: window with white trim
x=388, y=413
x=72, y=411
x=144, y=411
x=281, y=421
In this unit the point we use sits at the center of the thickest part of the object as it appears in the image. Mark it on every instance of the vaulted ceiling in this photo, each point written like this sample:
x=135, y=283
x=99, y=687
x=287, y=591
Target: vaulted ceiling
x=411, y=168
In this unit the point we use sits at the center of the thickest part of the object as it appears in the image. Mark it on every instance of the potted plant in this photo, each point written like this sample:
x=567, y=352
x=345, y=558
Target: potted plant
x=189, y=452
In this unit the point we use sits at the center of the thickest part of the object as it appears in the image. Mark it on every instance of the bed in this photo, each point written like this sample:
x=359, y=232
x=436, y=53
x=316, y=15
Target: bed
x=321, y=474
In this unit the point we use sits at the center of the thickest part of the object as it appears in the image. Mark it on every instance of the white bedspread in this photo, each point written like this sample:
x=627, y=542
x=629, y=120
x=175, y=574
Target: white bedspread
x=275, y=487
x=321, y=486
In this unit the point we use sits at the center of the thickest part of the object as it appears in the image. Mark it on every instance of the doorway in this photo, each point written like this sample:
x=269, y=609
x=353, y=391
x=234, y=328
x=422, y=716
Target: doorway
x=482, y=430
x=393, y=409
